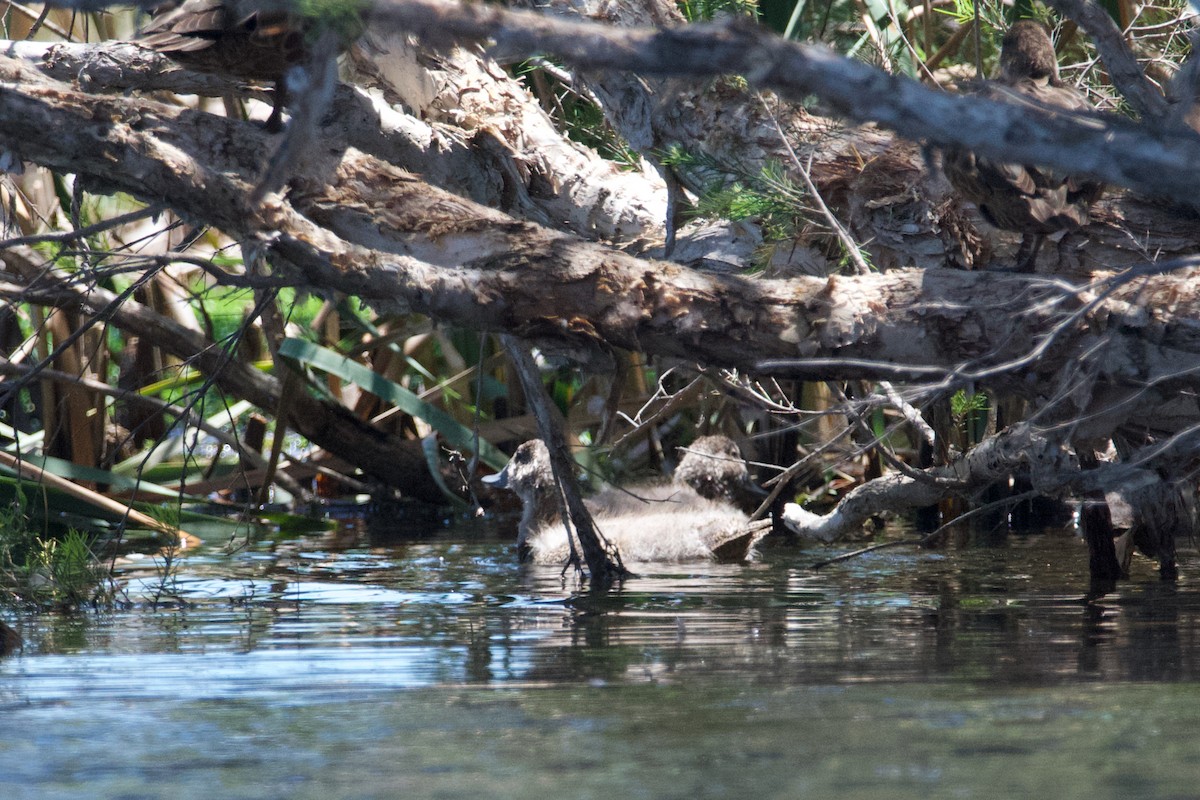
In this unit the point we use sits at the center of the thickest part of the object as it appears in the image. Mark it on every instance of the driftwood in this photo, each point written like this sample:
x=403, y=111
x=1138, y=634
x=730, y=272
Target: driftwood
x=385, y=235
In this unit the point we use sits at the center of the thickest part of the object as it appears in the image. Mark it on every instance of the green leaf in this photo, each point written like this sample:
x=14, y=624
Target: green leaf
x=77, y=472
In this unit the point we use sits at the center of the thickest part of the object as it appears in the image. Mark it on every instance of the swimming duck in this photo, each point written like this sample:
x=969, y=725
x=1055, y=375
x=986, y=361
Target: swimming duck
x=714, y=467
x=1032, y=201
x=10, y=640
x=655, y=522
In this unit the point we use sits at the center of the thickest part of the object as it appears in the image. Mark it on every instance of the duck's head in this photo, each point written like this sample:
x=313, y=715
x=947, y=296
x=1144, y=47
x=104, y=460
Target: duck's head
x=714, y=467
x=527, y=473
x=1028, y=54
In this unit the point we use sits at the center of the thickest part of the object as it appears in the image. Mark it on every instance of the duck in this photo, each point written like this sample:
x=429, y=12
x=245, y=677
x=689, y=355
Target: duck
x=10, y=640
x=657, y=522
x=1033, y=201
x=234, y=39
x=714, y=467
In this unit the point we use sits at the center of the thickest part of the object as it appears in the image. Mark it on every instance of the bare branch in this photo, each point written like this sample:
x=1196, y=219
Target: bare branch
x=995, y=457
x=1119, y=60
x=1141, y=157
x=1112, y=149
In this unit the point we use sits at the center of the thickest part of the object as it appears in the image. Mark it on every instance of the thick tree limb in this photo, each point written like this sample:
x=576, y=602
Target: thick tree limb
x=1099, y=356
x=881, y=187
x=572, y=185
x=997, y=457
x=1052, y=467
x=510, y=156
x=1111, y=149
x=1119, y=152
x=400, y=244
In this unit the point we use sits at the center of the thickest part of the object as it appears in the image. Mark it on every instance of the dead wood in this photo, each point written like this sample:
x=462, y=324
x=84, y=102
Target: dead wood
x=1095, y=352
x=365, y=228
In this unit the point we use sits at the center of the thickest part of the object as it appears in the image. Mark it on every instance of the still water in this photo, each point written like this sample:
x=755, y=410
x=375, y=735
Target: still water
x=320, y=669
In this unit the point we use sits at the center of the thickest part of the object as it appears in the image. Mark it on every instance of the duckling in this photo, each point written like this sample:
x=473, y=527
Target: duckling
x=1033, y=201
x=714, y=467
x=656, y=522
x=711, y=467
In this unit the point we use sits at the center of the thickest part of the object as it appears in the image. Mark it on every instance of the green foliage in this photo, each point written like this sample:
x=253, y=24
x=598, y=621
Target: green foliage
x=768, y=196
x=966, y=410
x=576, y=113
x=346, y=18
x=47, y=571
x=17, y=541
x=963, y=404
x=705, y=10
x=454, y=432
x=991, y=15
x=224, y=308
x=846, y=260
x=75, y=575
x=584, y=123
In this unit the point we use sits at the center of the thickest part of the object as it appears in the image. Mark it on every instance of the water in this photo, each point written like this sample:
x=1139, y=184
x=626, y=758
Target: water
x=316, y=670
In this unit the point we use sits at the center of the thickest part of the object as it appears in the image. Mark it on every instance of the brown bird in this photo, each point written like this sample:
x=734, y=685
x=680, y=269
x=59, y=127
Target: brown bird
x=234, y=39
x=10, y=640
x=1033, y=201
x=665, y=523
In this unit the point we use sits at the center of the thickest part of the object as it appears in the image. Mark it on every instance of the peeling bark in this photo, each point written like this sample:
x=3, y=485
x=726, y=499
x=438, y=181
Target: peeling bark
x=401, y=244
x=1096, y=353
x=570, y=184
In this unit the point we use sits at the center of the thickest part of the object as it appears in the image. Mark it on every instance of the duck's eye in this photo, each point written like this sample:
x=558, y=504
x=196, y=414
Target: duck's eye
x=522, y=456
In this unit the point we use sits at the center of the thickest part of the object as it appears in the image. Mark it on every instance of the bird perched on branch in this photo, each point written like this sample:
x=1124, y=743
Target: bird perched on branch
x=247, y=39
x=1033, y=201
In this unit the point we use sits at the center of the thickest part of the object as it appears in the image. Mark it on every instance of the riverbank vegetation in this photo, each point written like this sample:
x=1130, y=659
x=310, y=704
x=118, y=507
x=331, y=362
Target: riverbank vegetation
x=683, y=221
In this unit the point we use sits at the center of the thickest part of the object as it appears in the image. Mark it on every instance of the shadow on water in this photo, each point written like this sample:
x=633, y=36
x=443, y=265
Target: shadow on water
x=371, y=667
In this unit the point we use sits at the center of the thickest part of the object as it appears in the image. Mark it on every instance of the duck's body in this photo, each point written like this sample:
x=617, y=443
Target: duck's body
x=219, y=36
x=232, y=39
x=663, y=536
x=1033, y=201
x=653, y=522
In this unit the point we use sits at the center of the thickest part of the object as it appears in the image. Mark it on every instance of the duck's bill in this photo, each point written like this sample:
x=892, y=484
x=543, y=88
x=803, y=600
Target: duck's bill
x=497, y=481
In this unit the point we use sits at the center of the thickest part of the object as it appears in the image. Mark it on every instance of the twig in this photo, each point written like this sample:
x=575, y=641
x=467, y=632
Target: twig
x=1119, y=60
x=871, y=549
x=603, y=562
x=951, y=46
x=77, y=234
x=910, y=413
x=96, y=499
x=853, y=252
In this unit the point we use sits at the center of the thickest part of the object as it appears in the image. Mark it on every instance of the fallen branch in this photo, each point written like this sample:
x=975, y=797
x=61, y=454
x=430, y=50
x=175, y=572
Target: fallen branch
x=34, y=473
x=1019, y=446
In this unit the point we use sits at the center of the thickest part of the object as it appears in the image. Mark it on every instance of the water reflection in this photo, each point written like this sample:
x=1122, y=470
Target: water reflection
x=886, y=674
x=1013, y=615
